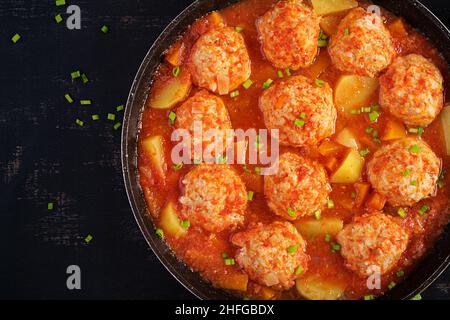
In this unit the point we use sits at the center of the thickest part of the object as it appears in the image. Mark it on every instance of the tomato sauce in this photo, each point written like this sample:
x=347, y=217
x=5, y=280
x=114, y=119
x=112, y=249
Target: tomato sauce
x=203, y=251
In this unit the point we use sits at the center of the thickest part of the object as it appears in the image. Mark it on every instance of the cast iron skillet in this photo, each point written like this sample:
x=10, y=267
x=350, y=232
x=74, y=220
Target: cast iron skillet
x=415, y=14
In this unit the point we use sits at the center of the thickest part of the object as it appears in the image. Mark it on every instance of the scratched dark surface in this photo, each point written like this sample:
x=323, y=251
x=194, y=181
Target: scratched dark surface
x=45, y=157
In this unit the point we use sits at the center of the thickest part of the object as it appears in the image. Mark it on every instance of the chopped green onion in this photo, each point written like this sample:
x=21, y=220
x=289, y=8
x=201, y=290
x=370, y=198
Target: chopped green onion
x=58, y=18
x=288, y=72
x=299, y=270
x=84, y=78
x=330, y=204
x=375, y=107
x=176, y=71
x=369, y=130
x=319, y=82
x=366, y=109
x=172, y=117
x=120, y=108
x=335, y=247
x=369, y=297
x=15, y=38
x=291, y=212
x=159, y=233
x=79, y=122
x=414, y=149
x=419, y=131
x=400, y=273
x=302, y=115
x=373, y=116
x=441, y=179
x=423, y=210
x=68, y=98
x=317, y=214
x=322, y=43
x=327, y=237
x=75, y=74
x=225, y=255
x=322, y=35
x=364, y=152
x=267, y=84
x=117, y=125
x=50, y=206
x=406, y=173
x=247, y=84
x=292, y=249
x=95, y=117
x=417, y=297
x=346, y=32
x=186, y=224
x=299, y=122
x=392, y=285
x=414, y=183
x=104, y=29
x=230, y=262
x=280, y=74
x=238, y=29
x=246, y=170
x=178, y=166
x=59, y=3
x=353, y=195
x=88, y=238
x=111, y=116
x=85, y=102
x=250, y=195
x=258, y=170
x=220, y=159
x=355, y=112
x=402, y=213
x=234, y=94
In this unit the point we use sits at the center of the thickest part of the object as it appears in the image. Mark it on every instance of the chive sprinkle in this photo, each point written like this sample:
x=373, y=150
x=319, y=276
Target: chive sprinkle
x=406, y=173
x=335, y=247
x=178, y=166
x=369, y=297
x=400, y=273
x=355, y=112
x=79, y=122
x=291, y=212
x=230, y=262
x=364, y=152
x=120, y=108
x=88, y=238
x=15, y=38
x=176, y=71
x=299, y=122
x=317, y=214
x=186, y=224
x=84, y=78
x=292, y=249
x=267, y=84
x=246, y=170
x=402, y=213
x=288, y=72
x=58, y=18
x=373, y=116
x=59, y=3
x=225, y=255
x=423, y=210
x=238, y=29
x=68, y=98
x=111, y=116
x=159, y=233
x=353, y=195
x=322, y=43
x=414, y=183
x=104, y=29
x=280, y=74
x=95, y=117
x=75, y=74
x=258, y=170
x=319, y=83
x=117, y=125
x=50, y=206
x=85, y=102
x=330, y=204
x=417, y=297
x=172, y=117
x=327, y=237
x=414, y=149
x=369, y=130
x=250, y=195
x=346, y=32
x=392, y=285
x=298, y=271
x=247, y=84
x=234, y=94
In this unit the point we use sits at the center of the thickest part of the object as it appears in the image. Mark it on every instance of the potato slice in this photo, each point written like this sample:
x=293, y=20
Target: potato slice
x=313, y=228
x=445, y=121
x=172, y=91
x=354, y=92
x=330, y=24
x=330, y=148
x=322, y=62
x=393, y=130
x=348, y=139
x=324, y=7
x=314, y=287
x=350, y=169
x=233, y=281
x=153, y=148
x=170, y=222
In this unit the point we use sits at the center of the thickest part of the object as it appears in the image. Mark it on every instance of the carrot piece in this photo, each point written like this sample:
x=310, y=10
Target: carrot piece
x=233, y=281
x=331, y=164
x=175, y=53
x=393, y=130
x=362, y=191
x=330, y=148
x=376, y=201
x=397, y=29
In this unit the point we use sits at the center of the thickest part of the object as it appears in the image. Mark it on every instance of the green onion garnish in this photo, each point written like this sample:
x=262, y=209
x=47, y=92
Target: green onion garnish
x=88, y=238
x=79, y=122
x=298, y=271
x=322, y=43
x=419, y=131
x=50, y=206
x=159, y=233
x=247, y=84
x=288, y=72
x=59, y=3
x=400, y=273
x=85, y=102
x=280, y=74
x=327, y=237
x=178, y=166
x=355, y=112
x=292, y=249
x=176, y=71
x=267, y=84
x=117, y=125
x=230, y=262
x=423, y=210
x=417, y=297
x=302, y=115
x=299, y=122
x=68, y=98
x=111, y=116
x=250, y=195
x=225, y=255
x=95, y=117
x=330, y=204
x=317, y=214
x=15, y=38
x=291, y=212
x=172, y=117
x=353, y=195
x=364, y=152
x=238, y=29
x=186, y=224
x=75, y=74
x=369, y=297
x=319, y=82
x=335, y=247
x=84, y=78
x=414, y=149
x=369, y=130
x=406, y=173
x=234, y=94
x=246, y=170
x=258, y=170
x=373, y=116
x=346, y=32
x=120, y=108
x=58, y=18
x=402, y=213
x=104, y=29
x=414, y=183
x=392, y=285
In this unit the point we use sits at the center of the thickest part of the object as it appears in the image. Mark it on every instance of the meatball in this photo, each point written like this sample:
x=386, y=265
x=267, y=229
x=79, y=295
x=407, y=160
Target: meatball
x=362, y=44
x=405, y=171
x=219, y=60
x=302, y=111
x=299, y=188
x=214, y=197
x=289, y=33
x=207, y=111
x=272, y=255
x=372, y=240
x=412, y=90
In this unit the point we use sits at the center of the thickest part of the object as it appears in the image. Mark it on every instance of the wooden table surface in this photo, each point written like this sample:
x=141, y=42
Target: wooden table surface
x=46, y=157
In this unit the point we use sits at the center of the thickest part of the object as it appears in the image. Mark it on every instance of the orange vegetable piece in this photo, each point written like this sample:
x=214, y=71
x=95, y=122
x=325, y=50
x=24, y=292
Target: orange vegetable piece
x=331, y=164
x=376, y=201
x=215, y=19
x=175, y=53
x=233, y=281
x=393, y=130
x=330, y=148
x=362, y=191
x=267, y=293
x=397, y=29
x=322, y=62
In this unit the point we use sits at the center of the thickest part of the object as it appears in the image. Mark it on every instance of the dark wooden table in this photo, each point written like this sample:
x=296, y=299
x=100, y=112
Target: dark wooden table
x=46, y=157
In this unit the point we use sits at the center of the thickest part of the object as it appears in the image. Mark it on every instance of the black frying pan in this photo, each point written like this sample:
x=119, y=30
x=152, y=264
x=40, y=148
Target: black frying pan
x=414, y=13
